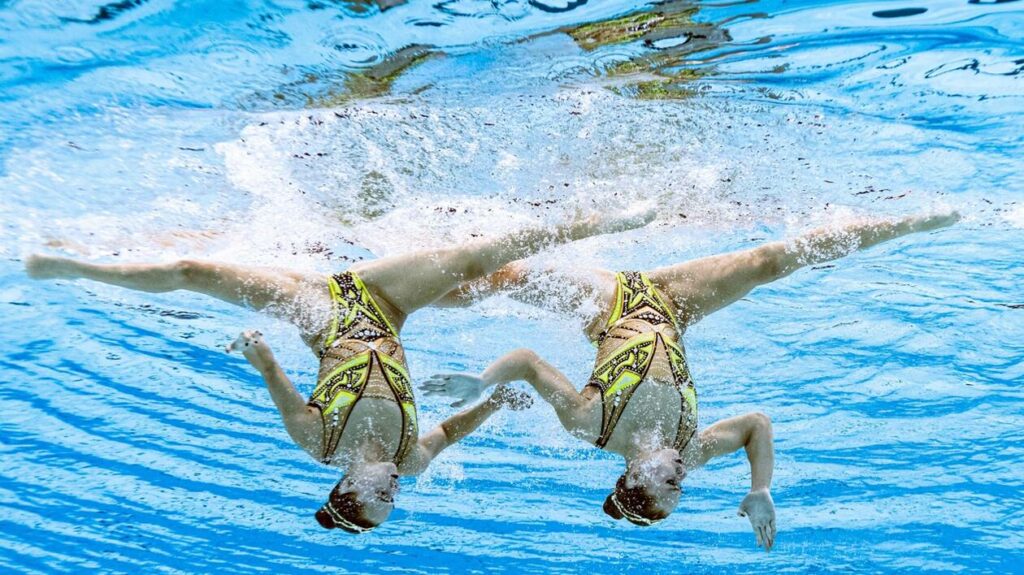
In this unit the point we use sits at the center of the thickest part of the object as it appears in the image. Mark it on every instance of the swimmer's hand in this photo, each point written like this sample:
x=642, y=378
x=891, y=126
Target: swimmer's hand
x=759, y=508
x=254, y=347
x=462, y=387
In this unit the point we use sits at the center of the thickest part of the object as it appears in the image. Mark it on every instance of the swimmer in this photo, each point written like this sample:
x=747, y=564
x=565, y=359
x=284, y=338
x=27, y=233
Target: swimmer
x=361, y=415
x=640, y=401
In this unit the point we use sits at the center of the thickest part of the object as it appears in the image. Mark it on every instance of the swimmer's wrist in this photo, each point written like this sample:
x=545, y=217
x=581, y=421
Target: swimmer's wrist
x=494, y=402
x=265, y=367
x=262, y=359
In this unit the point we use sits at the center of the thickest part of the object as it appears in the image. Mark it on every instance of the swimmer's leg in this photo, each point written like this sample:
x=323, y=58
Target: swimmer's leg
x=412, y=281
x=280, y=293
x=173, y=239
x=702, y=286
x=585, y=293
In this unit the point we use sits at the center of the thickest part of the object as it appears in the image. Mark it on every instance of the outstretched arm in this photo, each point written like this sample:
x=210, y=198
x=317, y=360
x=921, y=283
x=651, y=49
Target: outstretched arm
x=521, y=365
x=300, y=420
x=458, y=426
x=703, y=286
x=753, y=432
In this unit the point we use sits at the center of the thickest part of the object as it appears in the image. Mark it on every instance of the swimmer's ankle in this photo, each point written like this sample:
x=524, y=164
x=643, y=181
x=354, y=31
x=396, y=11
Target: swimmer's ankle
x=42, y=267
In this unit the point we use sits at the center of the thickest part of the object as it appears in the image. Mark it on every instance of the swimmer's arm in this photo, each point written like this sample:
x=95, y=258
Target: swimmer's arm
x=520, y=365
x=572, y=408
x=510, y=276
x=703, y=286
x=454, y=429
x=753, y=432
x=300, y=420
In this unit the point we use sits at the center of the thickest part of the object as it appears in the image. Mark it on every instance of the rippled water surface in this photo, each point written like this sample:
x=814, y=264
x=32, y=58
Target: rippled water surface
x=313, y=134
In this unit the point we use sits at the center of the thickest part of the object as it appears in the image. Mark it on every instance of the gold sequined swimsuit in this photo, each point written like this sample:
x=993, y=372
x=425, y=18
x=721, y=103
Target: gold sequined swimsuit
x=619, y=376
x=361, y=356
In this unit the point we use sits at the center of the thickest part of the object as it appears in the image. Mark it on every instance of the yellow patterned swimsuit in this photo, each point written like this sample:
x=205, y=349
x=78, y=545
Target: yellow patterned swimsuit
x=361, y=356
x=619, y=376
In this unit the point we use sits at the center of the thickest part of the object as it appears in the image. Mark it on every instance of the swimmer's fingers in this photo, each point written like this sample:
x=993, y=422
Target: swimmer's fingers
x=248, y=339
x=436, y=382
x=765, y=539
x=436, y=385
x=237, y=344
x=757, y=534
x=461, y=386
x=253, y=346
x=771, y=534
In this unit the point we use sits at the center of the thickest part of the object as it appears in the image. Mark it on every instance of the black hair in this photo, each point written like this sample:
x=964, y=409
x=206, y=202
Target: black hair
x=635, y=501
x=342, y=508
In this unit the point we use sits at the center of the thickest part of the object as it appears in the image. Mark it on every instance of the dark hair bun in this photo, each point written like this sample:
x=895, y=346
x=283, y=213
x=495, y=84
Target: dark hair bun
x=611, y=509
x=324, y=519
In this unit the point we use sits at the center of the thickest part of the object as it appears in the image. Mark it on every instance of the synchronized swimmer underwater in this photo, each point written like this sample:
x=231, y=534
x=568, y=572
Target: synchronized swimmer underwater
x=640, y=402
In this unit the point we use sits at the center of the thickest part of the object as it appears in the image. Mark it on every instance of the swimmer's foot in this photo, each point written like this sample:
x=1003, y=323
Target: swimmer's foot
x=937, y=220
x=42, y=267
x=612, y=222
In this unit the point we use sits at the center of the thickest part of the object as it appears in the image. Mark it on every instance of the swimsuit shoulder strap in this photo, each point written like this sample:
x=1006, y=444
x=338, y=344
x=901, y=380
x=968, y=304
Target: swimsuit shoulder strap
x=687, y=395
x=335, y=396
x=397, y=376
x=621, y=299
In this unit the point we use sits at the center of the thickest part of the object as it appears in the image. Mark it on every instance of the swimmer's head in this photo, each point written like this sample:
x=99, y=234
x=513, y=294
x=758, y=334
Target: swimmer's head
x=362, y=500
x=649, y=489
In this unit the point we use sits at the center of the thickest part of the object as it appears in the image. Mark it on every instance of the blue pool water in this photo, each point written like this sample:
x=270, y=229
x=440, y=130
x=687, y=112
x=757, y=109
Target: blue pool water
x=309, y=134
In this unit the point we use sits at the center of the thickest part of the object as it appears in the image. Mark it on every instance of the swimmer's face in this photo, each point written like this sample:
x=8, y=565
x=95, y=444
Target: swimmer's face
x=374, y=486
x=660, y=474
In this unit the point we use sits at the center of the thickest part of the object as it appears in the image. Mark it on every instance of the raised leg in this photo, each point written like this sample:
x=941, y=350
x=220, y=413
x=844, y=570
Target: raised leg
x=412, y=281
x=292, y=296
x=585, y=293
x=703, y=286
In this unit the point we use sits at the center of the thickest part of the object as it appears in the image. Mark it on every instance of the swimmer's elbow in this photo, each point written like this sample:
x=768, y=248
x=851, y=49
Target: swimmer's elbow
x=525, y=362
x=770, y=262
x=760, y=425
x=306, y=430
x=761, y=420
x=525, y=355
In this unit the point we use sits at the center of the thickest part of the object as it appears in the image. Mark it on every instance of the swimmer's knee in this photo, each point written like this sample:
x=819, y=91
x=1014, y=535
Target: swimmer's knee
x=768, y=262
x=189, y=272
x=761, y=419
x=467, y=265
x=474, y=268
